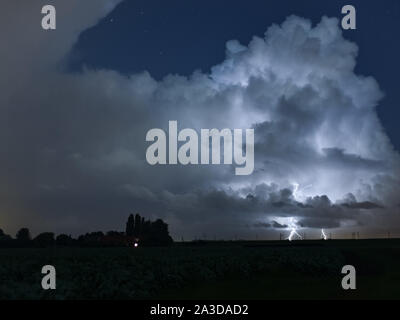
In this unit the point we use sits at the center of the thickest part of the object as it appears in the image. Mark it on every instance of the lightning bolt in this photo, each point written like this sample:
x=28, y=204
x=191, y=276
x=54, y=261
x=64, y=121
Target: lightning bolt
x=293, y=230
x=295, y=189
x=298, y=193
x=323, y=234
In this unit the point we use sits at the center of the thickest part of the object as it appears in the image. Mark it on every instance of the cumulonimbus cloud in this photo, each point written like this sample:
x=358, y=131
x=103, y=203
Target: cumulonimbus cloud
x=74, y=143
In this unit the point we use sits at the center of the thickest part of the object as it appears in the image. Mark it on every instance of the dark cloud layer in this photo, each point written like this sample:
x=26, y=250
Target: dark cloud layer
x=73, y=144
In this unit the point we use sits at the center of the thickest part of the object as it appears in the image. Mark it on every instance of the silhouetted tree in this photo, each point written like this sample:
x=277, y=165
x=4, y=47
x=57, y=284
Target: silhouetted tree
x=4, y=237
x=44, y=239
x=114, y=233
x=142, y=222
x=23, y=235
x=146, y=227
x=138, y=222
x=64, y=240
x=115, y=239
x=159, y=233
x=149, y=233
x=130, y=226
x=5, y=240
x=91, y=239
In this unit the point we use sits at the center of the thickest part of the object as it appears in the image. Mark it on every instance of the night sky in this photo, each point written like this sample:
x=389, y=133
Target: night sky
x=178, y=37
x=77, y=102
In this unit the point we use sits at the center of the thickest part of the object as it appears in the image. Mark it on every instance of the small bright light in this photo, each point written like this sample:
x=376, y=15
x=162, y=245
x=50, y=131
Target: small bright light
x=136, y=245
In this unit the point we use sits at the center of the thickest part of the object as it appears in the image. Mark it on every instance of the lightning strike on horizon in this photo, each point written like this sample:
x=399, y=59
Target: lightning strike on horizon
x=293, y=231
x=323, y=234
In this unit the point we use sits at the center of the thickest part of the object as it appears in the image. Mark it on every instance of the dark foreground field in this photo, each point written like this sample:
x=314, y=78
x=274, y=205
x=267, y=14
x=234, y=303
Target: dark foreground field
x=236, y=270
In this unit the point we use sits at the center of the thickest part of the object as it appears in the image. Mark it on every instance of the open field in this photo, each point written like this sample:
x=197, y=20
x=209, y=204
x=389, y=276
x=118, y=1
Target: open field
x=207, y=270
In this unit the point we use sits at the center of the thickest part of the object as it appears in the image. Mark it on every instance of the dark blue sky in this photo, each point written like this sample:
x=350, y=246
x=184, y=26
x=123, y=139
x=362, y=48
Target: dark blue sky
x=180, y=36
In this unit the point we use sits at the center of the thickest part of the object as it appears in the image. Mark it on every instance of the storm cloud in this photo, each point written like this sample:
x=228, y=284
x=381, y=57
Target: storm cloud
x=73, y=143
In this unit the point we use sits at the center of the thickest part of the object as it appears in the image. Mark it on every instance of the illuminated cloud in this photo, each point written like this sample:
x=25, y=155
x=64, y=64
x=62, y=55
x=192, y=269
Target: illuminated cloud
x=76, y=141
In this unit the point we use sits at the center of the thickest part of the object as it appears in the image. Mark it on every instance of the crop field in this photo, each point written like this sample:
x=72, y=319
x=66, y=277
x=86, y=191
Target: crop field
x=206, y=270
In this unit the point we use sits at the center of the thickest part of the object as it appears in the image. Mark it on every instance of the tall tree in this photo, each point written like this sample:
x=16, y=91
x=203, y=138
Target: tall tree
x=149, y=232
x=130, y=226
x=23, y=234
x=138, y=224
x=45, y=239
x=3, y=236
x=64, y=240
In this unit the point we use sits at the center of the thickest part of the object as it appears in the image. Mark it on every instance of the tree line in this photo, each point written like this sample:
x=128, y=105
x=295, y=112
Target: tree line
x=138, y=232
